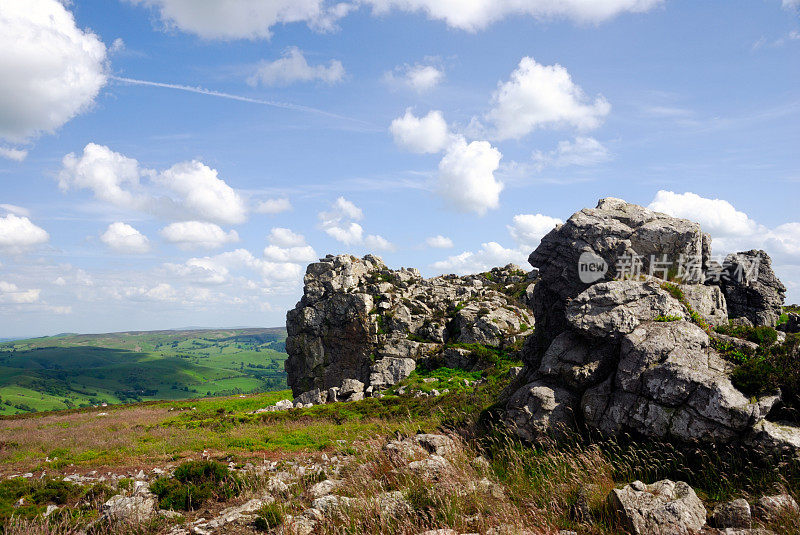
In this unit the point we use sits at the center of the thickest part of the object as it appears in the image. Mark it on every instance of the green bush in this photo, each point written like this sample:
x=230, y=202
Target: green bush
x=270, y=516
x=194, y=483
x=761, y=335
x=668, y=318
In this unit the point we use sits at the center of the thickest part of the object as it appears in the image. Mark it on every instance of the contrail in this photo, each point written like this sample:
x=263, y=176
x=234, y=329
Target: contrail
x=203, y=91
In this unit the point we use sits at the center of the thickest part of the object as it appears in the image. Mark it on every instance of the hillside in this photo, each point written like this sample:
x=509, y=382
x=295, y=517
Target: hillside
x=78, y=370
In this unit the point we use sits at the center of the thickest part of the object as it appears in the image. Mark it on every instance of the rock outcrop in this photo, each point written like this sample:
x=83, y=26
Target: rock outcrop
x=361, y=327
x=752, y=290
x=663, y=508
x=621, y=349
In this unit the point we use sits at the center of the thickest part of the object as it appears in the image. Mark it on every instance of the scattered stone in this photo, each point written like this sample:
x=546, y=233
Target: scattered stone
x=663, y=508
x=733, y=514
x=438, y=444
x=323, y=488
x=769, y=507
x=130, y=508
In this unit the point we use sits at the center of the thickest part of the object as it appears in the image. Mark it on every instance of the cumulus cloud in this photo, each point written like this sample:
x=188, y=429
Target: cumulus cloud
x=284, y=237
x=378, y=243
x=490, y=255
x=204, y=193
x=293, y=67
x=226, y=267
x=244, y=19
x=335, y=222
x=274, y=206
x=108, y=174
x=716, y=216
x=339, y=222
x=528, y=229
x=733, y=230
x=288, y=246
x=123, y=238
x=583, y=151
x=16, y=155
x=466, y=176
x=19, y=233
x=428, y=134
x=14, y=209
x=50, y=70
x=10, y=293
x=473, y=15
x=197, y=234
x=419, y=77
x=439, y=242
x=185, y=190
x=538, y=96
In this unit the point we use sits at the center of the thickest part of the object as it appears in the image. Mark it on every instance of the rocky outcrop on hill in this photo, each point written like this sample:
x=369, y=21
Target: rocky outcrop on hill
x=623, y=351
x=361, y=327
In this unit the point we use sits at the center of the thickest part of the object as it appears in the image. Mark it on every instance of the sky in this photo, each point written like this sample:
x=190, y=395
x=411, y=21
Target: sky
x=175, y=163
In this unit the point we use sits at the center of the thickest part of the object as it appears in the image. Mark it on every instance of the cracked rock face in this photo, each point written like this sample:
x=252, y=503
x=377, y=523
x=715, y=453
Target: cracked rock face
x=625, y=356
x=752, y=289
x=360, y=321
x=663, y=508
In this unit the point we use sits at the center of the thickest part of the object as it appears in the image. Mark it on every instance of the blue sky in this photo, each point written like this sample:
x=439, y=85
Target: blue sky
x=166, y=163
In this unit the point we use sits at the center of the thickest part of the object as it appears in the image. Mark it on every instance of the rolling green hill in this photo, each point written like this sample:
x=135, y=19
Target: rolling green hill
x=74, y=370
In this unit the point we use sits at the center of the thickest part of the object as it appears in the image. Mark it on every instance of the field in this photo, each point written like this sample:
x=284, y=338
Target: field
x=68, y=371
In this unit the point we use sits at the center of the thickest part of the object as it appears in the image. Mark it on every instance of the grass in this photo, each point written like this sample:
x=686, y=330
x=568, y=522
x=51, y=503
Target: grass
x=69, y=371
x=194, y=483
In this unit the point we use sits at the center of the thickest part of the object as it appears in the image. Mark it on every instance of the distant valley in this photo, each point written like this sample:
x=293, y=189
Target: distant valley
x=79, y=370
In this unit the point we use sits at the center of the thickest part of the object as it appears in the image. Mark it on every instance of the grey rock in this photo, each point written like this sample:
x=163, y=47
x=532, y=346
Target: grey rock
x=132, y=509
x=613, y=309
x=323, y=488
x=359, y=320
x=393, y=505
x=751, y=288
x=239, y=512
x=539, y=409
x=663, y=508
x=432, y=467
x=770, y=507
x=733, y=514
x=438, y=444
x=390, y=370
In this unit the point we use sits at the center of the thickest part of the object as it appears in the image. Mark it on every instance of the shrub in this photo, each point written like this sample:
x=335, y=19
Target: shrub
x=269, y=516
x=194, y=483
x=668, y=318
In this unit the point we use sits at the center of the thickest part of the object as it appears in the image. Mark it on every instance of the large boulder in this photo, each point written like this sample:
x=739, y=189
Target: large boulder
x=618, y=235
x=359, y=320
x=751, y=288
x=627, y=350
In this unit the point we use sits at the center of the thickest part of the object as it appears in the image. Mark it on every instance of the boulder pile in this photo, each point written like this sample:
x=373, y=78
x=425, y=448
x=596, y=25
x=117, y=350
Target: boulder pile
x=361, y=327
x=622, y=350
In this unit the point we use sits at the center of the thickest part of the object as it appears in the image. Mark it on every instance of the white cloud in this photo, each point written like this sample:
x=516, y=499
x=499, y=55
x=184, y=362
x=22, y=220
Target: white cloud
x=244, y=19
x=284, y=237
x=10, y=293
x=224, y=268
x=16, y=155
x=491, y=254
x=274, y=206
x=439, y=242
x=204, y=193
x=789, y=4
x=473, y=15
x=466, y=176
x=14, y=209
x=378, y=243
x=288, y=246
x=300, y=254
x=347, y=233
x=192, y=234
x=161, y=292
x=538, y=96
x=293, y=67
x=340, y=209
x=528, y=229
x=50, y=70
x=716, y=216
x=418, y=77
x=123, y=238
x=108, y=174
x=19, y=233
x=185, y=190
x=428, y=134
x=584, y=151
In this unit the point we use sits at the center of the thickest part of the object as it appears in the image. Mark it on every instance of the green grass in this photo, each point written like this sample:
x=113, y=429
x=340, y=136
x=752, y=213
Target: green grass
x=68, y=371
